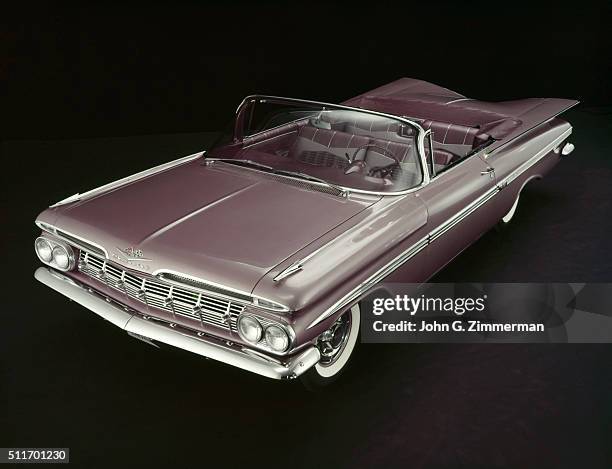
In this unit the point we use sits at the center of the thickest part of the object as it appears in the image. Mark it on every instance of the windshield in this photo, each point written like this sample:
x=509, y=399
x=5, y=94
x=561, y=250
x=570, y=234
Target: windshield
x=342, y=147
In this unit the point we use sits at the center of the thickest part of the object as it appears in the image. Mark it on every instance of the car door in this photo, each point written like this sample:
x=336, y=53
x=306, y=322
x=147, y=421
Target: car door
x=460, y=209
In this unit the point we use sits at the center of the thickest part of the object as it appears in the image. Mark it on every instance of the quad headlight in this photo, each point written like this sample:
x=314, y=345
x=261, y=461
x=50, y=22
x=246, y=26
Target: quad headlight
x=61, y=257
x=250, y=329
x=276, y=338
x=265, y=334
x=55, y=253
x=44, y=249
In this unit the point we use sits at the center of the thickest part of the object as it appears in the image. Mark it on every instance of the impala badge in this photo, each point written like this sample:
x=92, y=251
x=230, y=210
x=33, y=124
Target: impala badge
x=132, y=257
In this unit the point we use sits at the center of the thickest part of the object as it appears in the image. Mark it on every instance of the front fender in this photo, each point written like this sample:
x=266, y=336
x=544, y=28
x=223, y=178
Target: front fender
x=340, y=262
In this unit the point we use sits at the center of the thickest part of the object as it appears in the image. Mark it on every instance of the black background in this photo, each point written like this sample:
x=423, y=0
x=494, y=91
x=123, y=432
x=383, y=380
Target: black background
x=75, y=71
x=91, y=94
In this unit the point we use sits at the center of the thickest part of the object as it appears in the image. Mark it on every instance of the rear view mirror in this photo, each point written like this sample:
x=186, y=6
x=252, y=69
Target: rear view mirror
x=405, y=131
x=320, y=124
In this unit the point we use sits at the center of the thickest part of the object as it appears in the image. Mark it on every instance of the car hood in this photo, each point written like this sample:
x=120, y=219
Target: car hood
x=223, y=224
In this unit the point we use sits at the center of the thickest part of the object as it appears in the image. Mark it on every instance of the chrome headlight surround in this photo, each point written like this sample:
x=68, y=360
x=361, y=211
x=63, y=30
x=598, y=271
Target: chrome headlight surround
x=275, y=334
x=43, y=249
x=56, y=246
x=265, y=324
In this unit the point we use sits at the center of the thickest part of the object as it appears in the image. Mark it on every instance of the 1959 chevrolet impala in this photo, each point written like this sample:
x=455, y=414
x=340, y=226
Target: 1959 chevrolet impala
x=257, y=252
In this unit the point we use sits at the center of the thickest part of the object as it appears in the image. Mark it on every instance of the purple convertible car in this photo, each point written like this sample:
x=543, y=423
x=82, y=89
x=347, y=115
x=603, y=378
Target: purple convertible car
x=259, y=250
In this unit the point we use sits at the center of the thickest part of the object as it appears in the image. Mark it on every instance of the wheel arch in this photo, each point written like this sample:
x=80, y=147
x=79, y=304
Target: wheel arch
x=509, y=214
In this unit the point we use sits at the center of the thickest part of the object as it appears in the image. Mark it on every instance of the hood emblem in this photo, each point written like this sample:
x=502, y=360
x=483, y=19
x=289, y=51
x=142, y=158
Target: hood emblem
x=133, y=254
x=132, y=257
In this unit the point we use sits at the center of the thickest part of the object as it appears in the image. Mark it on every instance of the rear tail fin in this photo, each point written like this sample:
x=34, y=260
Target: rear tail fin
x=420, y=100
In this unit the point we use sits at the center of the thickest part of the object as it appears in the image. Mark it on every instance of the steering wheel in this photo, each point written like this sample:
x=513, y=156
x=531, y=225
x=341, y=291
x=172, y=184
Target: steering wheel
x=382, y=170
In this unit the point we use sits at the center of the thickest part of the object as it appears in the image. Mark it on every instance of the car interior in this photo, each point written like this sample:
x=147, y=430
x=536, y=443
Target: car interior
x=355, y=149
x=345, y=147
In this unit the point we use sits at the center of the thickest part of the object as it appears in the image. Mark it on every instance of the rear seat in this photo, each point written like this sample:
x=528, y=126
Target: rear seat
x=399, y=150
x=328, y=147
x=442, y=158
x=451, y=134
x=453, y=140
x=331, y=138
x=455, y=134
x=312, y=140
x=323, y=147
x=443, y=132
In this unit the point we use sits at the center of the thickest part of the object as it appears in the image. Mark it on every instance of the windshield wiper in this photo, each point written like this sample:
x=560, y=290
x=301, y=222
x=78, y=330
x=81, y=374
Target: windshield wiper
x=251, y=163
x=280, y=172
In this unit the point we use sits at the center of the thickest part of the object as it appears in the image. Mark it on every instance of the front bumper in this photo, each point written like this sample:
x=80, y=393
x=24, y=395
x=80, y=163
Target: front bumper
x=232, y=354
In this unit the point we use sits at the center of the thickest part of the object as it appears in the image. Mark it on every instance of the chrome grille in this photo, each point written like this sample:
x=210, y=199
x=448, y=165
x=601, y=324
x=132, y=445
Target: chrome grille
x=208, y=309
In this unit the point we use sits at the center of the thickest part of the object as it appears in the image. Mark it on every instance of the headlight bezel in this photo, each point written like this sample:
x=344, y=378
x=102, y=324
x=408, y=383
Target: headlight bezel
x=285, y=335
x=266, y=323
x=69, y=250
x=39, y=241
x=58, y=251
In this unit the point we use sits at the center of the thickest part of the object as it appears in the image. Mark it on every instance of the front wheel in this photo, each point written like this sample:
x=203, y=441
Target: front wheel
x=336, y=345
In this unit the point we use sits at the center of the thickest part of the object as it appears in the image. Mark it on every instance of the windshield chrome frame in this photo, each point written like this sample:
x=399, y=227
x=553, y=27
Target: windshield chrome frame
x=420, y=138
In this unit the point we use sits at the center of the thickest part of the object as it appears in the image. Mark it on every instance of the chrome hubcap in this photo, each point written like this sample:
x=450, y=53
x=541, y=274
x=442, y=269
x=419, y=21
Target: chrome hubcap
x=333, y=340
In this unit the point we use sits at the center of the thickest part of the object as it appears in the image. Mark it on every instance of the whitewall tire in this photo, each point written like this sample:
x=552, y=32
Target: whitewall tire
x=505, y=221
x=336, y=345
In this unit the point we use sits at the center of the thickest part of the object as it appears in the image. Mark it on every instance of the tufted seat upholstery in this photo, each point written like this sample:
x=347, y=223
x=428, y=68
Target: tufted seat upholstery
x=331, y=138
x=399, y=150
x=329, y=147
x=451, y=141
x=443, y=157
x=312, y=139
x=452, y=134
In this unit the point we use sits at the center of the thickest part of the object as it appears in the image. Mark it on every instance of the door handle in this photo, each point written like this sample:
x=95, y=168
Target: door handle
x=488, y=171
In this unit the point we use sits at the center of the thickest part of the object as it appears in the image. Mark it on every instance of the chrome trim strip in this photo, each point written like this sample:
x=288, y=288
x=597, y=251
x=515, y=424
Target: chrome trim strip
x=255, y=299
x=429, y=134
x=240, y=357
x=435, y=234
x=338, y=106
x=298, y=265
x=120, y=182
x=373, y=279
x=464, y=213
x=292, y=269
x=54, y=231
x=534, y=159
x=421, y=144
